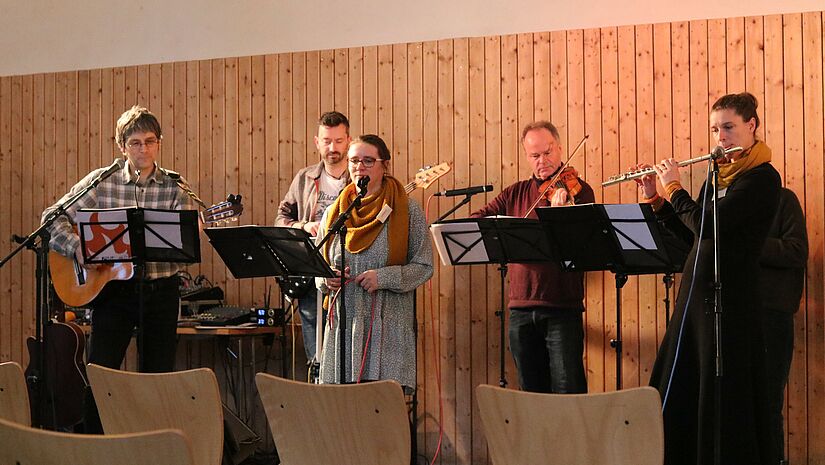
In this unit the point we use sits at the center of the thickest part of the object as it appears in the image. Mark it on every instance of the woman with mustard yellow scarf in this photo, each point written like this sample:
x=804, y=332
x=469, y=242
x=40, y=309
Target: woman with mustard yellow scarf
x=685, y=367
x=388, y=255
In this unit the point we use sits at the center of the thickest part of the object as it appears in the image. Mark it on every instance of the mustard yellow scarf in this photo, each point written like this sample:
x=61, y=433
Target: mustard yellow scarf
x=757, y=155
x=364, y=226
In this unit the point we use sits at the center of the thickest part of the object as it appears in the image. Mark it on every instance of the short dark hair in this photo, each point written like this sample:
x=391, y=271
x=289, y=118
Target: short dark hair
x=135, y=119
x=332, y=119
x=744, y=104
x=540, y=125
x=375, y=141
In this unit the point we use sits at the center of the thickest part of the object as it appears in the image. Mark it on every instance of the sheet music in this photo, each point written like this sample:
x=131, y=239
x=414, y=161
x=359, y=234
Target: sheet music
x=461, y=236
x=101, y=229
x=636, y=230
x=169, y=232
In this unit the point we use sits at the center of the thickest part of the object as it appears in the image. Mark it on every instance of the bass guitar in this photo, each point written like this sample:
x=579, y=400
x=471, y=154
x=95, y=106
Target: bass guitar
x=77, y=286
x=296, y=287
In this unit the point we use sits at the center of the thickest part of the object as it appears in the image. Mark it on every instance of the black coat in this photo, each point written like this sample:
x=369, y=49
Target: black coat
x=746, y=211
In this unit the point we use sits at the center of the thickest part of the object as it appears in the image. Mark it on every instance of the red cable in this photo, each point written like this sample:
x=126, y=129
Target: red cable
x=436, y=356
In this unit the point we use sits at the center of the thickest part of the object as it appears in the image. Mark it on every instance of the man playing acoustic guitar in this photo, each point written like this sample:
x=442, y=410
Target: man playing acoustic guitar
x=115, y=313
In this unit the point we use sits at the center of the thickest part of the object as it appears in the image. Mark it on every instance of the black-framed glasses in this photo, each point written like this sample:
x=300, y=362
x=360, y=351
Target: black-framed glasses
x=367, y=162
x=136, y=144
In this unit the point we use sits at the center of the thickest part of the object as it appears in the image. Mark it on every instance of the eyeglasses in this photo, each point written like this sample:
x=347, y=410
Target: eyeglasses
x=136, y=144
x=367, y=162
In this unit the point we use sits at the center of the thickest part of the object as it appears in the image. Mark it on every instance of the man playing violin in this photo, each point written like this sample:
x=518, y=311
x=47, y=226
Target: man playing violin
x=546, y=303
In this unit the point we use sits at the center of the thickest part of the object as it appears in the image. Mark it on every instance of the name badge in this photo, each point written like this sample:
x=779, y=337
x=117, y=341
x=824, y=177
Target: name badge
x=384, y=213
x=722, y=192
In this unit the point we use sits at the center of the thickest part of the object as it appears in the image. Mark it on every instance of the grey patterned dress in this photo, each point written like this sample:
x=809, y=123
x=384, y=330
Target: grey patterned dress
x=391, y=347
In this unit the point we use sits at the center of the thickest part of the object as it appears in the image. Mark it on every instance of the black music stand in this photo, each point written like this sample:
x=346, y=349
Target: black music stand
x=625, y=239
x=138, y=235
x=495, y=240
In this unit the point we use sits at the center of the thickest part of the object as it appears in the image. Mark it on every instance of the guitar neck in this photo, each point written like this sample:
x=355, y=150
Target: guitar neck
x=409, y=187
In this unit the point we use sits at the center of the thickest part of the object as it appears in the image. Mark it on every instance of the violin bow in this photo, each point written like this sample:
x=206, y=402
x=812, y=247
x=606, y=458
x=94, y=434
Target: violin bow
x=556, y=176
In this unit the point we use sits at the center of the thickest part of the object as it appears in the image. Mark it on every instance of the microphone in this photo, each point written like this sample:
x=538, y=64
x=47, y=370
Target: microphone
x=466, y=191
x=118, y=164
x=718, y=152
x=362, y=185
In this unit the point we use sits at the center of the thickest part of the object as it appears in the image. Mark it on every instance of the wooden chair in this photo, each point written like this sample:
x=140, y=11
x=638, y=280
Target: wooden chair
x=613, y=428
x=189, y=401
x=23, y=445
x=343, y=424
x=14, y=395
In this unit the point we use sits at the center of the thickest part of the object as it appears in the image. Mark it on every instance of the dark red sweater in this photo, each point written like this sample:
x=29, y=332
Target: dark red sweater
x=537, y=285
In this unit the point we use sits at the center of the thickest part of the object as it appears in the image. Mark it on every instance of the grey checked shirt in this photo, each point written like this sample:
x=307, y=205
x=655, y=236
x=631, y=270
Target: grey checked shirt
x=117, y=191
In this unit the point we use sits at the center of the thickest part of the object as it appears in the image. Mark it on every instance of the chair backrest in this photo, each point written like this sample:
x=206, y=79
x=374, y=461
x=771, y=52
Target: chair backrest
x=14, y=396
x=613, y=428
x=343, y=424
x=189, y=401
x=23, y=445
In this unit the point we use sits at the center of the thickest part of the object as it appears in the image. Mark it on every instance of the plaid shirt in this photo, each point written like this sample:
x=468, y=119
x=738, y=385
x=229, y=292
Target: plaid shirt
x=117, y=191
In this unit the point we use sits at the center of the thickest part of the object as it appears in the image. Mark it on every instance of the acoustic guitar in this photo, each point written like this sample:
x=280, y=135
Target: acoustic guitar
x=296, y=287
x=77, y=286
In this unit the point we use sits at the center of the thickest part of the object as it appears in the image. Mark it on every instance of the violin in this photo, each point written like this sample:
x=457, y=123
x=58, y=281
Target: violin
x=567, y=179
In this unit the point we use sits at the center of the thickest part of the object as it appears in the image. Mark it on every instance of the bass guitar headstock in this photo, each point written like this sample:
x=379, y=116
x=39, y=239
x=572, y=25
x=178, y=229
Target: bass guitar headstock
x=223, y=212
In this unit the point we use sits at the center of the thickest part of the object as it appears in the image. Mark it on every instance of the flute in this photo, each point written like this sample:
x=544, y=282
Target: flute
x=631, y=175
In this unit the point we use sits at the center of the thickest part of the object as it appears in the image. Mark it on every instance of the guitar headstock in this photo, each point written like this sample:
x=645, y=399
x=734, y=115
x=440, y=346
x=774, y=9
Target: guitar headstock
x=428, y=175
x=226, y=211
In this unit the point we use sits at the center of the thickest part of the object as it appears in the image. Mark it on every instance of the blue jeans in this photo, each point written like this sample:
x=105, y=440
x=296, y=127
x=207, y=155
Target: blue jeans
x=548, y=345
x=309, y=321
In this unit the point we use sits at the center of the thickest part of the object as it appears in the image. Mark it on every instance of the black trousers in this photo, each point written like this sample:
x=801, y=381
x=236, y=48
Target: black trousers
x=778, y=334
x=115, y=315
x=548, y=345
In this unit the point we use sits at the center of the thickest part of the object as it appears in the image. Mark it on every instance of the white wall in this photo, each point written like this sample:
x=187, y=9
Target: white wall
x=58, y=35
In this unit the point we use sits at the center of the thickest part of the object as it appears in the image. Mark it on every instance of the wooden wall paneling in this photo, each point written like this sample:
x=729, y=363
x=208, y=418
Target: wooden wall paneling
x=327, y=81
x=236, y=78
x=369, y=91
x=681, y=85
x=541, y=78
x=429, y=98
x=492, y=163
x=663, y=147
x=192, y=106
x=593, y=171
x=560, y=66
x=446, y=279
x=385, y=94
x=525, y=95
x=284, y=134
x=108, y=118
x=735, y=38
x=255, y=181
x=177, y=100
x=811, y=167
x=242, y=156
x=28, y=192
x=96, y=158
x=402, y=169
x=461, y=315
x=627, y=110
x=205, y=152
x=217, y=163
x=313, y=105
x=611, y=162
x=7, y=337
x=71, y=130
x=754, y=67
x=119, y=103
x=719, y=71
x=300, y=147
x=49, y=138
x=16, y=218
x=130, y=92
x=271, y=124
x=784, y=124
x=143, y=93
x=341, y=84
x=645, y=147
x=478, y=313
x=162, y=85
x=355, y=78
x=82, y=127
x=699, y=103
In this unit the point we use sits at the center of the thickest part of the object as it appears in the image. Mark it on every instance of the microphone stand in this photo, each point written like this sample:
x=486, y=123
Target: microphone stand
x=340, y=227
x=713, y=174
x=37, y=377
x=456, y=207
